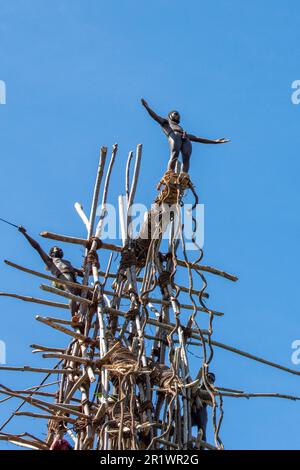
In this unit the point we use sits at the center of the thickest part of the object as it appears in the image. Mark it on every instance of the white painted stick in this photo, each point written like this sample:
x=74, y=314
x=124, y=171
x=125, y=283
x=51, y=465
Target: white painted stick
x=82, y=215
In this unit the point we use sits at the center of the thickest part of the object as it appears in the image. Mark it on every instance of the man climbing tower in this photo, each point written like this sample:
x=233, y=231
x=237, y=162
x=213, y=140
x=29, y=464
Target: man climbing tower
x=179, y=140
x=59, y=267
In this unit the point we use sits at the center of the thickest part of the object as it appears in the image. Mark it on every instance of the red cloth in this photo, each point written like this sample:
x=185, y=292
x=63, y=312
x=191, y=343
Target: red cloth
x=61, y=444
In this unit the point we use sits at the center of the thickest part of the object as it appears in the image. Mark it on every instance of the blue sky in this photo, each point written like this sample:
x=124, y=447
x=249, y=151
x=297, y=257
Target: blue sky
x=75, y=72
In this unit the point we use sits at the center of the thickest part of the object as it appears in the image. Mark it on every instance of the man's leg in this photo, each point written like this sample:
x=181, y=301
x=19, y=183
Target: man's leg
x=186, y=150
x=203, y=419
x=175, y=146
x=72, y=290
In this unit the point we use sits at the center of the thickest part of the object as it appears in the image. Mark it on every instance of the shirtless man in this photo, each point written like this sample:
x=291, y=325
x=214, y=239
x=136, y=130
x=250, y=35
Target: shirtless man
x=59, y=267
x=179, y=140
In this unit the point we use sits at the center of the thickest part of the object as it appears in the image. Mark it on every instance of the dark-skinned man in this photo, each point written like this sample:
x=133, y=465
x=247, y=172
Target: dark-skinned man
x=179, y=140
x=58, y=266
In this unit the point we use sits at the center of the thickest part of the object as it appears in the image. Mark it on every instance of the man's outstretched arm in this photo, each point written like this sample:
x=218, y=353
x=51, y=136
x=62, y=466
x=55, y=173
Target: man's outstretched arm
x=202, y=140
x=154, y=116
x=79, y=272
x=35, y=245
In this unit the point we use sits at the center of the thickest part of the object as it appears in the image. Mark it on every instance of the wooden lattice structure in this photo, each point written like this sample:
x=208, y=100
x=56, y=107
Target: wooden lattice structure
x=121, y=386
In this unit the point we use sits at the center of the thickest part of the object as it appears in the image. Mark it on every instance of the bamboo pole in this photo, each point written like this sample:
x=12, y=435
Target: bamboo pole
x=51, y=406
x=113, y=247
x=34, y=300
x=40, y=348
x=81, y=360
x=103, y=154
x=40, y=394
x=79, y=241
x=84, y=301
x=65, y=322
x=259, y=395
x=31, y=390
x=131, y=197
x=64, y=282
x=37, y=369
x=123, y=227
x=78, y=336
x=63, y=293
x=29, y=444
x=208, y=269
x=47, y=417
x=127, y=179
x=104, y=196
x=254, y=358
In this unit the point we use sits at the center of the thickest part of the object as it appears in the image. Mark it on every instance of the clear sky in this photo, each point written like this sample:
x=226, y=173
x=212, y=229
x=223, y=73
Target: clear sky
x=75, y=72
